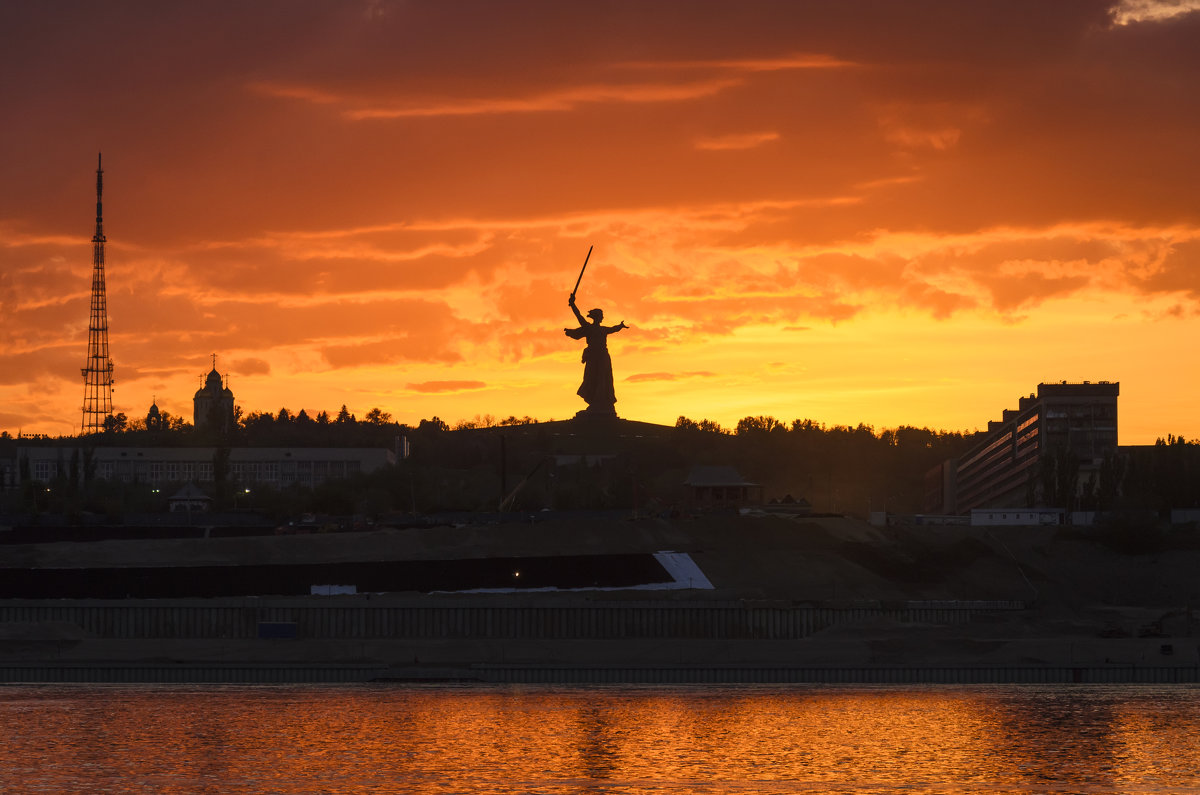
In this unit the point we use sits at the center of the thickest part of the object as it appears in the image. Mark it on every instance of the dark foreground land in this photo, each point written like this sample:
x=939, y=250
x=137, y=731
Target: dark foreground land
x=792, y=599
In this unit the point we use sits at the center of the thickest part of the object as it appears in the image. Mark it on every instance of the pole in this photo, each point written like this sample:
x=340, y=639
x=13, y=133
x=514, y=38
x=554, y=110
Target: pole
x=581, y=270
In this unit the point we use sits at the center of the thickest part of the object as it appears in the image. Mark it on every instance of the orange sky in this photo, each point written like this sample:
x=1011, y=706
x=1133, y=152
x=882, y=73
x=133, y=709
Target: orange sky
x=880, y=211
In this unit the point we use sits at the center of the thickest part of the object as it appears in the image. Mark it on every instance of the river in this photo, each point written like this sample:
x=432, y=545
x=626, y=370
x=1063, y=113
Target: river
x=627, y=739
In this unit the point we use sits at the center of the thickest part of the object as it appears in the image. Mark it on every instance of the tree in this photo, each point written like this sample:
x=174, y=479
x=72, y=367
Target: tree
x=116, y=423
x=89, y=464
x=758, y=425
x=1058, y=477
x=377, y=416
x=344, y=416
x=257, y=421
x=684, y=424
x=433, y=424
x=480, y=421
x=220, y=464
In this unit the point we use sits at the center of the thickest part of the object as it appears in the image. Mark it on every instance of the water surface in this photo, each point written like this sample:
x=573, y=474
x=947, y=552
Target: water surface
x=531, y=739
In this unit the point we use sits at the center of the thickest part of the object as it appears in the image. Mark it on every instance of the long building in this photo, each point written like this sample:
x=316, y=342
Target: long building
x=163, y=466
x=1072, y=426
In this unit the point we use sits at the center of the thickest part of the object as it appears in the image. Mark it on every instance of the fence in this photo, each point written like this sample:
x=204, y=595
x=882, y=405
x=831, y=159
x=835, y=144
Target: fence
x=361, y=618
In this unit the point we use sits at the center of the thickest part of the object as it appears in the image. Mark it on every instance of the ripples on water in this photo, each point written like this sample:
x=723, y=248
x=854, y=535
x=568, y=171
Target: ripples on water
x=425, y=739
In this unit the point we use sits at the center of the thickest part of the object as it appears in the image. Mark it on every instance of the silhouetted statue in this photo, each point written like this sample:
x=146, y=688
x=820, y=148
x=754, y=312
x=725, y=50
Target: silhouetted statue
x=597, y=386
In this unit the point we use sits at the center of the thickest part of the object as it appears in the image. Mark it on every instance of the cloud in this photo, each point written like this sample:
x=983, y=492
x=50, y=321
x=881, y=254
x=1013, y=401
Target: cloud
x=781, y=63
x=1129, y=12
x=252, y=366
x=736, y=141
x=1011, y=292
x=59, y=361
x=557, y=100
x=443, y=387
x=663, y=376
x=743, y=172
x=387, y=351
x=1176, y=268
x=356, y=106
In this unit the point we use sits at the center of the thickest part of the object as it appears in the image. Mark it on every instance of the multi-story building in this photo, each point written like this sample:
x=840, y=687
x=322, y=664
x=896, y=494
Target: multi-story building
x=1064, y=430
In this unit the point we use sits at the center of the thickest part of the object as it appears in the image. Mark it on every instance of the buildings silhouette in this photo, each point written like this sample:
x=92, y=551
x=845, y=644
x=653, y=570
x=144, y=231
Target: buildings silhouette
x=1043, y=453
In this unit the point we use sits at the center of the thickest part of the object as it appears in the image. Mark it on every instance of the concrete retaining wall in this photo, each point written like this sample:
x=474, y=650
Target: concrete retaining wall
x=360, y=618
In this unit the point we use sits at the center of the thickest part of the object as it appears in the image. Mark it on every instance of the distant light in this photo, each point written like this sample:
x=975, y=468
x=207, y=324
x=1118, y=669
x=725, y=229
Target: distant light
x=516, y=573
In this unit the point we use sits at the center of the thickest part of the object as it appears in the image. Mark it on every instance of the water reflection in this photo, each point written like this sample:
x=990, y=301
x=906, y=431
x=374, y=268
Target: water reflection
x=599, y=740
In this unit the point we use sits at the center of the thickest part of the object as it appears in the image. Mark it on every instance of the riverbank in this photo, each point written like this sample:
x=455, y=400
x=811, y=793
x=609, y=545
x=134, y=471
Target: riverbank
x=822, y=600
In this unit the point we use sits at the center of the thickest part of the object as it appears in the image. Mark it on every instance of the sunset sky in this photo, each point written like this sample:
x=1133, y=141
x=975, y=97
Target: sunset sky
x=890, y=212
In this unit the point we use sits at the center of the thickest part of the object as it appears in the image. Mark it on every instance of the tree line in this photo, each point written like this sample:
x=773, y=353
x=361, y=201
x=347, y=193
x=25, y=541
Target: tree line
x=519, y=462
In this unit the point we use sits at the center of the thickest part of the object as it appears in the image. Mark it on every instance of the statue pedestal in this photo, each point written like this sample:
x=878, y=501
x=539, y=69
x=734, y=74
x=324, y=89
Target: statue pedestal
x=596, y=415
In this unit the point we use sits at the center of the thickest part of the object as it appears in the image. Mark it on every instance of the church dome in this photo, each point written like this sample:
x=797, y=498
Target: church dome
x=153, y=412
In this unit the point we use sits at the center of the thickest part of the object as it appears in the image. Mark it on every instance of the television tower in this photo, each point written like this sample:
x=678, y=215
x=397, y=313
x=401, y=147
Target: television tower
x=97, y=374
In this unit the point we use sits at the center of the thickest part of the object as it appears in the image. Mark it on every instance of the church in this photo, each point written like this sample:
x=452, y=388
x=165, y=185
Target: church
x=212, y=406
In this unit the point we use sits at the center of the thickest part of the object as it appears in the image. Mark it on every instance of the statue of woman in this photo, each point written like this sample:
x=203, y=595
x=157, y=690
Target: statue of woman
x=597, y=386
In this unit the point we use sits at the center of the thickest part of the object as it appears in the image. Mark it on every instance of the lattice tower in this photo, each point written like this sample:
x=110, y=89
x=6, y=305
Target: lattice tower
x=98, y=372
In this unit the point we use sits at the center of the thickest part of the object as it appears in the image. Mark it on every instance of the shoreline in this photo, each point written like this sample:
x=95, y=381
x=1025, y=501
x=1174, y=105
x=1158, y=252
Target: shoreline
x=792, y=600
x=34, y=673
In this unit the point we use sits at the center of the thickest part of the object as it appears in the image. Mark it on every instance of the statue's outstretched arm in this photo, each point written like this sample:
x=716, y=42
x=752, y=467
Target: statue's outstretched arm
x=575, y=309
